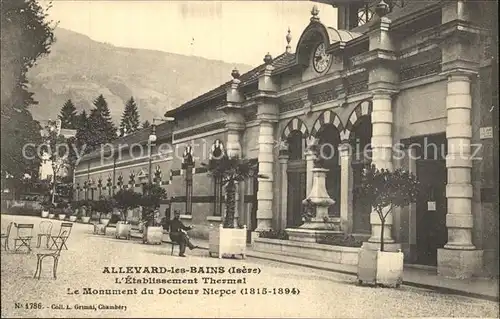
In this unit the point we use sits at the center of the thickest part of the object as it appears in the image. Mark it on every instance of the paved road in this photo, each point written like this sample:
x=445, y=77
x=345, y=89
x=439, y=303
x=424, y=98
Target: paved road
x=311, y=293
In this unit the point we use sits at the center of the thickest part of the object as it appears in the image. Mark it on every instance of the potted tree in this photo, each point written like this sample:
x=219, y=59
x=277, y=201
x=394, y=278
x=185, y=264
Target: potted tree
x=125, y=200
x=384, y=190
x=105, y=208
x=152, y=195
x=75, y=208
x=85, y=211
x=62, y=210
x=46, y=207
x=226, y=239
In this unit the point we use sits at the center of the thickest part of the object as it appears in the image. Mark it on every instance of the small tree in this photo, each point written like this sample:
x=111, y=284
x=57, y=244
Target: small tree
x=384, y=190
x=230, y=170
x=126, y=199
x=68, y=115
x=151, y=198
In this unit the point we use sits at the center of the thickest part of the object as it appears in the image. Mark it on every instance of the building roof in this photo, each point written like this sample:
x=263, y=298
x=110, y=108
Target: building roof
x=283, y=60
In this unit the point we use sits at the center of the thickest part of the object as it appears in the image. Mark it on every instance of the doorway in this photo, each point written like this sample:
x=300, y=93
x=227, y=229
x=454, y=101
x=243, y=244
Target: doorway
x=296, y=193
x=431, y=210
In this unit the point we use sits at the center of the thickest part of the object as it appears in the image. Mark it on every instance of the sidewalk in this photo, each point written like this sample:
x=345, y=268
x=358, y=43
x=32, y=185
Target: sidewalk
x=477, y=287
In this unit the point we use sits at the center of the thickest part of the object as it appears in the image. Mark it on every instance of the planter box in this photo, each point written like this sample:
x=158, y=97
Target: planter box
x=380, y=268
x=62, y=216
x=72, y=219
x=153, y=235
x=85, y=219
x=313, y=251
x=105, y=221
x=45, y=214
x=52, y=216
x=123, y=230
x=227, y=241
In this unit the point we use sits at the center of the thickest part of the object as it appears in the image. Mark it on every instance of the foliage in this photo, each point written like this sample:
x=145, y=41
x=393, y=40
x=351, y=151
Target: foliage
x=231, y=170
x=25, y=37
x=130, y=118
x=104, y=206
x=151, y=198
x=96, y=129
x=47, y=205
x=336, y=240
x=68, y=115
x=274, y=234
x=308, y=210
x=23, y=211
x=126, y=199
x=146, y=124
x=384, y=190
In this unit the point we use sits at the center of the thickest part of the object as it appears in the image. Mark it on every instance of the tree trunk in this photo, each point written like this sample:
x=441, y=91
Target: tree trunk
x=230, y=204
x=382, y=220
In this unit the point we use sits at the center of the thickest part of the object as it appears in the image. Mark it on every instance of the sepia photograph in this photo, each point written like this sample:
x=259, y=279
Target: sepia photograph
x=249, y=159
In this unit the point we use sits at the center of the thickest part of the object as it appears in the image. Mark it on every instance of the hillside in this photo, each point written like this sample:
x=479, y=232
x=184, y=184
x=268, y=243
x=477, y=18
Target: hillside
x=80, y=69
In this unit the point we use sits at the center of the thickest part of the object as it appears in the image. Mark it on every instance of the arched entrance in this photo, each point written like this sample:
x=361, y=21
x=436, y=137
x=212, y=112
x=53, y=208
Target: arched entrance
x=329, y=141
x=359, y=135
x=295, y=134
x=327, y=130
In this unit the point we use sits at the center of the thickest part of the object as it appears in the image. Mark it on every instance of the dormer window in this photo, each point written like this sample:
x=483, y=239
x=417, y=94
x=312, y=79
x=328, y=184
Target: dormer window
x=365, y=14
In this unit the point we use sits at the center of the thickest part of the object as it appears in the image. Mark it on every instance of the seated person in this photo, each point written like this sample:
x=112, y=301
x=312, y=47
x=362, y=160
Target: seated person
x=178, y=234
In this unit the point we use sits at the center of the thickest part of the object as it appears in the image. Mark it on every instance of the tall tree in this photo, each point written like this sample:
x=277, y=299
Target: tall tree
x=130, y=118
x=100, y=128
x=83, y=133
x=26, y=36
x=146, y=124
x=68, y=115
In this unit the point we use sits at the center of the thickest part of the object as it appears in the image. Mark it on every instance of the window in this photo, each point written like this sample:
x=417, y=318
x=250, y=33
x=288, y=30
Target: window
x=218, y=196
x=364, y=14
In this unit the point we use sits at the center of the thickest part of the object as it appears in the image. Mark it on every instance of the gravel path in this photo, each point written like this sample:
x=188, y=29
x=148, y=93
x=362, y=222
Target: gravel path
x=320, y=294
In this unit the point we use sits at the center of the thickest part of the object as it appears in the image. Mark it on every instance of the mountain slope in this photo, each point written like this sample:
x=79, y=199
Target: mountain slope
x=80, y=69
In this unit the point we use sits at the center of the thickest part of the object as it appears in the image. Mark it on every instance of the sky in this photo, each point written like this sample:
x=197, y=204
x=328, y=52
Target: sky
x=232, y=31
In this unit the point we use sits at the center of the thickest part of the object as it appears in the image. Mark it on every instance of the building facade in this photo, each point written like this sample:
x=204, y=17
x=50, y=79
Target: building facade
x=395, y=84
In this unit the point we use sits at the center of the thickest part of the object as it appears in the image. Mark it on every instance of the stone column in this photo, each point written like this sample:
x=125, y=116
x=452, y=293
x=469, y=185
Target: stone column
x=459, y=258
x=381, y=144
x=346, y=191
x=266, y=163
x=283, y=160
x=267, y=115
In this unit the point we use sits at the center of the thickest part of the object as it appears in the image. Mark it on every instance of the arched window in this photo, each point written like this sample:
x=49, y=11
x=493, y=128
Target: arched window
x=361, y=139
x=295, y=143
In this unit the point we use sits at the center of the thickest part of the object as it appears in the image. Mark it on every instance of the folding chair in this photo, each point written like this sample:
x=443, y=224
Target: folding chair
x=24, y=236
x=5, y=237
x=62, y=237
x=55, y=255
x=45, y=231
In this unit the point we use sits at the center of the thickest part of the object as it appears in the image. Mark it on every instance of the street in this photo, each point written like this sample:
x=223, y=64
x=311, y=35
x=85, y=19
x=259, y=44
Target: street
x=100, y=276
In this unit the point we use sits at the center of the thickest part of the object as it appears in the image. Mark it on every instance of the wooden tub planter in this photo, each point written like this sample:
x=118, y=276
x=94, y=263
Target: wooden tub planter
x=227, y=241
x=381, y=268
x=123, y=230
x=62, y=216
x=72, y=218
x=153, y=235
x=105, y=221
x=45, y=214
x=52, y=216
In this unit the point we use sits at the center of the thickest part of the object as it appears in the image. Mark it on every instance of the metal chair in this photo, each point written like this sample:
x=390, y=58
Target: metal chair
x=62, y=237
x=24, y=236
x=45, y=231
x=5, y=237
x=55, y=255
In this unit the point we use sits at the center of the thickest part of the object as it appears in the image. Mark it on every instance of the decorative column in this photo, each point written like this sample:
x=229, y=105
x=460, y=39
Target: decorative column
x=346, y=185
x=459, y=257
x=383, y=81
x=310, y=158
x=235, y=124
x=381, y=144
x=267, y=115
x=283, y=160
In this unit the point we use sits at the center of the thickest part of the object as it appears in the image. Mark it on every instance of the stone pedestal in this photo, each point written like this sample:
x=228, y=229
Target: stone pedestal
x=459, y=264
x=317, y=226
